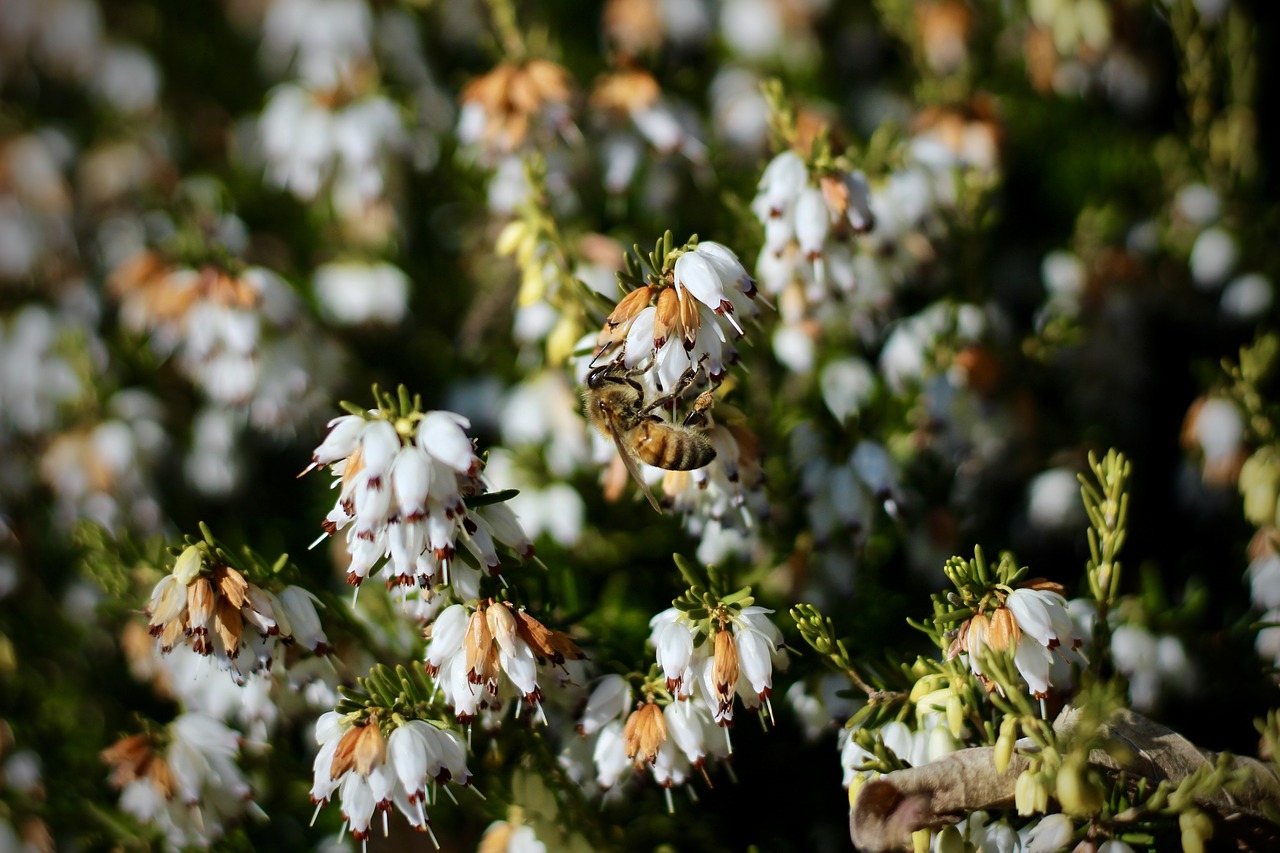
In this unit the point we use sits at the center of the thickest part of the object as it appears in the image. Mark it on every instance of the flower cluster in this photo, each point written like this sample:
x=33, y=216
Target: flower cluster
x=805, y=223
x=241, y=337
x=670, y=739
x=184, y=780
x=631, y=106
x=104, y=472
x=311, y=139
x=931, y=740
x=333, y=136
x=838, y=244
x=208, y=318
x=38, y=379
x=371, y=769
x=207, y=604
x=704, y=667
x=686, y=317
x=404, y=479
x=501, y=109
x=330, y=126
x=1030, y=622
x=935, y=731
x=483, y=656
x=720, y=659
x=673, y=333
x=511, y=108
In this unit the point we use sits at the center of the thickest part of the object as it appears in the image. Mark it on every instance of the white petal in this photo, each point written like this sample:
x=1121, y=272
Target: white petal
x=674, y=649
x=609, y=701
x=442, y=436
x=408, y=754
x=812, y=222
x=411, y=482
x=695, y=273
x=1033, y=661
x=379, y=442
x=639, y=343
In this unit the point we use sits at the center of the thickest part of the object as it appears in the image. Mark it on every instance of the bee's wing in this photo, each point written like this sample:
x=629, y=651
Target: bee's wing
x=629, y=460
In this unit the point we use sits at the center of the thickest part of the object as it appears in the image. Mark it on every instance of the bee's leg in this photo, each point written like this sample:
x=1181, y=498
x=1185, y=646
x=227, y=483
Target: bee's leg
x=677, y=390
x=697, y=416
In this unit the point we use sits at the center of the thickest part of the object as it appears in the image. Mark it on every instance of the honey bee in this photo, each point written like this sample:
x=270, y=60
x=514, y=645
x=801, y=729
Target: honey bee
x=615, y=404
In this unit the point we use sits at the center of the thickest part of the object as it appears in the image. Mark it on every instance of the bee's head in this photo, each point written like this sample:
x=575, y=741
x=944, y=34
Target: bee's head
x=598, y=377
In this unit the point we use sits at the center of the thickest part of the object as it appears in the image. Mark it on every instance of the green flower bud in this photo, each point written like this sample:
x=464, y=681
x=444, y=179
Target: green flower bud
x=1004, y=743
x=1259, y=477
x=1077, y=793
x=1196, y=830
x=1030, y=794
x=950, y=841
x=955, y=714
x=188, y=565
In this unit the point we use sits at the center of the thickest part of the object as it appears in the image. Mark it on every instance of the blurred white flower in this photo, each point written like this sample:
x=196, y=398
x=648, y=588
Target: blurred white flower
x=506, y=837
x=1064, y=276
x=847, y=385
x=191, y=789
x=1264, y=581
x=1198, y=204
x=36, y=379
x=738, y=109
x=1247, y=298
x=1152, y=664
x=609, y=701
x=1213, y=257
x=128, y=79
x=351, y=293
x=1053, y=501
x=67, y=37
x=326, y=39
x=308, y=141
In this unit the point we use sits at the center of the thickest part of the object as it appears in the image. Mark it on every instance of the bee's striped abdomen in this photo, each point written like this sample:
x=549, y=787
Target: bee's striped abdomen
x=672, y=448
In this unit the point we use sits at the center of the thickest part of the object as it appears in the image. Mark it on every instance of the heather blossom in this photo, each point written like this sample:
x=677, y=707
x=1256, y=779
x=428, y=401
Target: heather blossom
x=631, y=104
x=690, y=318
x=403, y=483
x=211, y=321
x=672, y=334
x=184, y=780
x=735, y=660
x=480, y=657
x=208, y=605
x=370, y=768
x=1031, y=622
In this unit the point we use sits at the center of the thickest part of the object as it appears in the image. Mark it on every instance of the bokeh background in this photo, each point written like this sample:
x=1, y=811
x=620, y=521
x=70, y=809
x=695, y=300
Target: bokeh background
x=219, y=219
